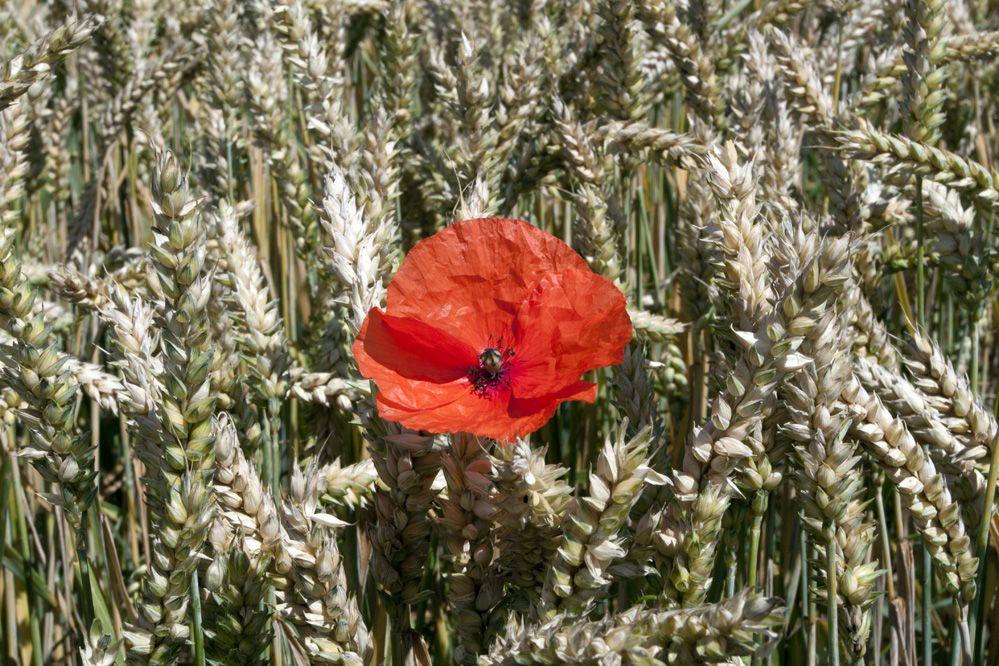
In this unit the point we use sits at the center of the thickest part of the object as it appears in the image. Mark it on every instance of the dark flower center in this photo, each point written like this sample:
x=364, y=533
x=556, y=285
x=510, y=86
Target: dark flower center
x=491, y=360
x=492, y=373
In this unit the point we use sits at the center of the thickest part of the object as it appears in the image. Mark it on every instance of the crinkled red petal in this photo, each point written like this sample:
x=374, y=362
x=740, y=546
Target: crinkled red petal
x=499, y=417
x=471, y=278
x=401, y=349
x=543, y=407
x=572, y=322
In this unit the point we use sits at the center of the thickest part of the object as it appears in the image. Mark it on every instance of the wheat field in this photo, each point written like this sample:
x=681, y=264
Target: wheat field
x=201, y=202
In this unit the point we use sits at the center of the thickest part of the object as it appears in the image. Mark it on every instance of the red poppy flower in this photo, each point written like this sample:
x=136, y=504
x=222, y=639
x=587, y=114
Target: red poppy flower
x=488, y=327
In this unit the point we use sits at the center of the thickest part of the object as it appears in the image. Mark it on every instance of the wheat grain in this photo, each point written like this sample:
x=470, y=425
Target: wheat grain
x=926, y=493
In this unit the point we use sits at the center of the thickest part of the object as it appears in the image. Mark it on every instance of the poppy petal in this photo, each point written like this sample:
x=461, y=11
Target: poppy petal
x=402, y=347
x=471, y=278
x=500, y=417
x=572, y=322
x=413, y=396
x=545, y=405
x=468, y=412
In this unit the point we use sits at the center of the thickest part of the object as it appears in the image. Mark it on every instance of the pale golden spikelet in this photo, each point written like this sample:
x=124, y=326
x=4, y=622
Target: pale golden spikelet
x=711, y=633
x=35, y=64
x=530, y=500
x=98, y=648
x=591, y=547
x=465, y=525
x=936, y=515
